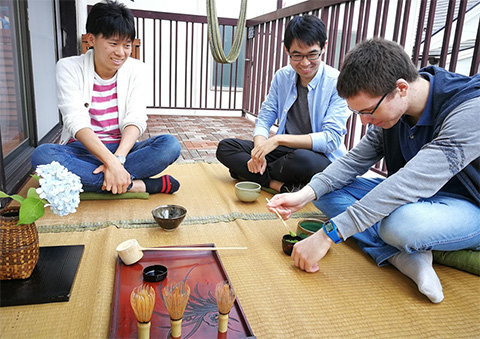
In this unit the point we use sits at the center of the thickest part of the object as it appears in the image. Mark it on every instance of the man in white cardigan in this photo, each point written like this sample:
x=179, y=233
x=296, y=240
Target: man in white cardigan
x=101, y=96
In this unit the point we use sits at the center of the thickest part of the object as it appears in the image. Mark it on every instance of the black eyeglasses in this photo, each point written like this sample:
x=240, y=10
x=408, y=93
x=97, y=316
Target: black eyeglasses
x=369, y=113
x=311, y=56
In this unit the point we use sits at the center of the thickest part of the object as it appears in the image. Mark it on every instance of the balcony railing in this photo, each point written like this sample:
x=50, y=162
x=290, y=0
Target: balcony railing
x=349, y=22
x=184, y=75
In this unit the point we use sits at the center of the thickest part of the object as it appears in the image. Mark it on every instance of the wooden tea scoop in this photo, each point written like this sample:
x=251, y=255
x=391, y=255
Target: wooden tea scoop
x=130, y=250
x=283, y=221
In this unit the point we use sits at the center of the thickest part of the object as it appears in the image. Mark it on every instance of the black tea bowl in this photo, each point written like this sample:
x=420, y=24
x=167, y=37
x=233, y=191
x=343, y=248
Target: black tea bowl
x=288, y=241
x=169, y=217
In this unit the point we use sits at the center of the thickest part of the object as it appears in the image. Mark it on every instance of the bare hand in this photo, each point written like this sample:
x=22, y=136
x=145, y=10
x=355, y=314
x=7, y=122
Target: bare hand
x=257, y=166
x=288, y=203
x=261, y=149
x=116, y=179
x=309, y=251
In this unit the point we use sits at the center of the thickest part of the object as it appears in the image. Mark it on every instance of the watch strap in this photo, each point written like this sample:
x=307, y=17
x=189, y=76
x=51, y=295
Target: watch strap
x=121, y=158
x=331, y=231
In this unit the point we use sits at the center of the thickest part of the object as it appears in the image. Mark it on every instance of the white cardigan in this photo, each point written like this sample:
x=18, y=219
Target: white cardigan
x=74, y=91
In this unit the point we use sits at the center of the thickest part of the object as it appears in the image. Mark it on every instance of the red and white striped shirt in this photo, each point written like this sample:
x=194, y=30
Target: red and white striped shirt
x=104, y=110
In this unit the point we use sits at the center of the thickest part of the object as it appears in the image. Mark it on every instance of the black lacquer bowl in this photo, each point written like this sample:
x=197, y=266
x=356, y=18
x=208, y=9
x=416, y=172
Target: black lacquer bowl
x=169, y=217
x=288, y=241
x=154, y=273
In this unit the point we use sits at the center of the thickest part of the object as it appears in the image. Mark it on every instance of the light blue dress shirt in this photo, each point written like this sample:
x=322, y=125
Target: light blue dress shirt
x=328, y=112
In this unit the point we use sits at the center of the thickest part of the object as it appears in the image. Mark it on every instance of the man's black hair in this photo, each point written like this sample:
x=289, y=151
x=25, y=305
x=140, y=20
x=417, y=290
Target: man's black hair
x=111, y=19
x=307, y=29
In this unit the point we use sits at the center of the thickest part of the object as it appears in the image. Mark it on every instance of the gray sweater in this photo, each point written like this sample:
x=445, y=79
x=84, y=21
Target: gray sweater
x=422, y=177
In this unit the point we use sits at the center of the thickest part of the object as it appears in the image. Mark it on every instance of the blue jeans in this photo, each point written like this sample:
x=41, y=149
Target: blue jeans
x=146, y=158
x=441, y=222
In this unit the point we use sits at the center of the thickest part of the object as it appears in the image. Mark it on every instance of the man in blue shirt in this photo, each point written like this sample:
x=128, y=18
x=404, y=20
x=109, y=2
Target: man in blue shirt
x=311, y=117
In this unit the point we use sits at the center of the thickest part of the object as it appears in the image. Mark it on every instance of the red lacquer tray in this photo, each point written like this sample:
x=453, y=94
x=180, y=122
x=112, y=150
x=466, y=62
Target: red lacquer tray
x=200, y=319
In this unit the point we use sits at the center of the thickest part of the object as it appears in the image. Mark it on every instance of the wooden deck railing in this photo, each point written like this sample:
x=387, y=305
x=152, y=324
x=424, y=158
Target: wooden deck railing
x=416, y=25
x=184, y=75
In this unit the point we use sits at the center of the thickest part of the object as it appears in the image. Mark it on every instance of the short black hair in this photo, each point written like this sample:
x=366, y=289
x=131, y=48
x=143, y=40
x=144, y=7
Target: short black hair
x=374, y=66
x=307, y=29
x=111, y=19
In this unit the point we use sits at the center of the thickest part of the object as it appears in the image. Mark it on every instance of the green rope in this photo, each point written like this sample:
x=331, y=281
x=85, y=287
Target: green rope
x=215, y=38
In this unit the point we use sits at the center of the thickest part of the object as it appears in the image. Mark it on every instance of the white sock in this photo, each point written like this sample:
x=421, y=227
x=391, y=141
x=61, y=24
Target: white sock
x=418, y=267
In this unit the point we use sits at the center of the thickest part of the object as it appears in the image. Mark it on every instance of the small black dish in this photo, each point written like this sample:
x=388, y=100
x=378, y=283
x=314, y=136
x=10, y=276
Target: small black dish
x=154, y=273
x=288, y=242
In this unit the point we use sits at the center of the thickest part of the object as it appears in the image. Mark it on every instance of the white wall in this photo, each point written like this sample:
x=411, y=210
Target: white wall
x=82, y=17
x=42, y=36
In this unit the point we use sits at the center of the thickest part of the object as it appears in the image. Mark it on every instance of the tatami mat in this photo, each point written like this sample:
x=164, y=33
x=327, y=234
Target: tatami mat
x=207, y=192
x=350, y=297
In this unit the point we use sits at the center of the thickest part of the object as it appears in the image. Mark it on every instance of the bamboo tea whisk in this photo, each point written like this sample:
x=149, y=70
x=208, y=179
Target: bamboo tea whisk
x=142, y=300
x=225, y=298
x=175, y=298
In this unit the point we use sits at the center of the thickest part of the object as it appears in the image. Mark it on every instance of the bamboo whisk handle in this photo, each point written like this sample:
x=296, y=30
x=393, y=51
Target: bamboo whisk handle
x=143, y=330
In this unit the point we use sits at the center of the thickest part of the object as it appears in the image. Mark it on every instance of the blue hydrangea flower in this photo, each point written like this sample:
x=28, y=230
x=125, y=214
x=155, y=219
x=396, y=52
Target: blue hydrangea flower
x=60, y=187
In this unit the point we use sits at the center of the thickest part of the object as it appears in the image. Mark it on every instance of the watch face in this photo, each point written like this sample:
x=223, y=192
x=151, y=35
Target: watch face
x=328, y=226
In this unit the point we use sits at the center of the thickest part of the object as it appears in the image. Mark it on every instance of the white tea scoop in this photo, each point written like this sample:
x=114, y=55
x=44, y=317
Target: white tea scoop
x=130, y=250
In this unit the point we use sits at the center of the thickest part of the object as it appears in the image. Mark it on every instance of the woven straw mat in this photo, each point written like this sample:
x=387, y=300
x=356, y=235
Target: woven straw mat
x=350, y=297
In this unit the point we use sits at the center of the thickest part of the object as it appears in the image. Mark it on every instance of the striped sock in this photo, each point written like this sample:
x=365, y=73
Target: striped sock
x=165, y=184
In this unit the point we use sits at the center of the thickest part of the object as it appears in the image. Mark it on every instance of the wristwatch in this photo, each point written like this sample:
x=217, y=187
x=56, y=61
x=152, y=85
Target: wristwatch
x=331, y=230
x=121, y=158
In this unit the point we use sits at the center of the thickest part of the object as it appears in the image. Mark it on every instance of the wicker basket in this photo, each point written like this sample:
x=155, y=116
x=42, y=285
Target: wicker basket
x=18, y=246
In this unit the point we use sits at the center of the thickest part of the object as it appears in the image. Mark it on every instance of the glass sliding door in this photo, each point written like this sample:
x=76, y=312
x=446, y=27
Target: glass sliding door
x=16, y=113
x=12, y=117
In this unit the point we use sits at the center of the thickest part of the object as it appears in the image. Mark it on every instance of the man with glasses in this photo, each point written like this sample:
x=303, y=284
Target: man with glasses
x=425, y=124
x=311, y=117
